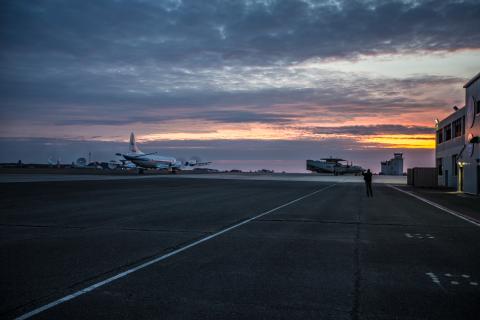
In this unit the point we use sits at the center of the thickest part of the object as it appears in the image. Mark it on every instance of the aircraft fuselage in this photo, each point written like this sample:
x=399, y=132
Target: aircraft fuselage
x=152, y=161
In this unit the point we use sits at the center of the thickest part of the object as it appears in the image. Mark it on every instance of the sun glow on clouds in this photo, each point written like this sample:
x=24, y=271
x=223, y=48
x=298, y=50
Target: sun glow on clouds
x=245, y=131
x=394, y=141
x=380, y=89
x=281, y=102
x=262, y=132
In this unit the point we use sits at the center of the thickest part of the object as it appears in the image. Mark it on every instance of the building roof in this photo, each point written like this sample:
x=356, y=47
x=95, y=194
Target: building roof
x=333, y=159
x=452, y=116
x=472, y=80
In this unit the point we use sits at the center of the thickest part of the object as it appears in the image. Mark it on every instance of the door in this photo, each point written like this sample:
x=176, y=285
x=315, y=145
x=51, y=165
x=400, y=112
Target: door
x=446, y=178
x=478, y=179
x=460, y=178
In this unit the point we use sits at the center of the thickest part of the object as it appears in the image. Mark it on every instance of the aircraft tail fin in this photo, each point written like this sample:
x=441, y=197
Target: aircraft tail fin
x=133, y=144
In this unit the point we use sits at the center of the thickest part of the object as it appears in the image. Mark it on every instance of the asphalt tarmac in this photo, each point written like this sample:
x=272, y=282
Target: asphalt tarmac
x=235, y=249
x=102, y=175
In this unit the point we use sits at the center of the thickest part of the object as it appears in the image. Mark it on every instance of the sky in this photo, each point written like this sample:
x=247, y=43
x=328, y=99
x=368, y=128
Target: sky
x=246, y=84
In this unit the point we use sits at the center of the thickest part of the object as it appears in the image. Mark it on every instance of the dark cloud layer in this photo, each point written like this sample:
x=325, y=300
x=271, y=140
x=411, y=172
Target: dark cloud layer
x=192, y=32
x=89, y=101
x=373, y=130
x=117, y=61
x=231, y=116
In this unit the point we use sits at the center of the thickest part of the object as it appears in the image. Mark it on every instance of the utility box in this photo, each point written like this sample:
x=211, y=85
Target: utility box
x=410, y=177
x=422, y=177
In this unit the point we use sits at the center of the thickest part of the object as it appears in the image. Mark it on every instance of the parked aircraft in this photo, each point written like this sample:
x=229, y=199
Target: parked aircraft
x=333, y=165
x=153, y=161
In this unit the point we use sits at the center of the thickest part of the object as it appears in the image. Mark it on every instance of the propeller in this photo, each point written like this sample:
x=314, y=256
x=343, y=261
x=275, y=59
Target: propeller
x=182, y=160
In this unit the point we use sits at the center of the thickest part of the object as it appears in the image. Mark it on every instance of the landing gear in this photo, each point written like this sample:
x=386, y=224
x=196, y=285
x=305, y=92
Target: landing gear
x=141, y=171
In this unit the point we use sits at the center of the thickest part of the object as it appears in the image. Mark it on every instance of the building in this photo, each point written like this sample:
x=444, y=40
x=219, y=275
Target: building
x=394, y=166
x=469, y=159
x=458, y=142
x=449, y=143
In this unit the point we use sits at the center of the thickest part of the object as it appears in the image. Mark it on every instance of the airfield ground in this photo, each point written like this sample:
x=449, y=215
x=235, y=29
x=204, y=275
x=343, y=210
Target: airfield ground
x=27, y=175
x=170, y=248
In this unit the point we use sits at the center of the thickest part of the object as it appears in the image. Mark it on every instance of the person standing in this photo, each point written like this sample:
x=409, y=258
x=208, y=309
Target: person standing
x=367, y=176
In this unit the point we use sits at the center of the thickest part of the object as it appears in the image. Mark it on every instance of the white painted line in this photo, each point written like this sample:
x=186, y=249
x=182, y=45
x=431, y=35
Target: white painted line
x=433, y=277
x=435, y=280
x=153, y=261
x=436, y=205
x=474, y=283
x=419, y=236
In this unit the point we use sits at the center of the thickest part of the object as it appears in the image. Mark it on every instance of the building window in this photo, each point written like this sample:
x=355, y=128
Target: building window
x=457, y=127
x=439, y=166
x=454, y=165
x=439, y=136
x=448, y=132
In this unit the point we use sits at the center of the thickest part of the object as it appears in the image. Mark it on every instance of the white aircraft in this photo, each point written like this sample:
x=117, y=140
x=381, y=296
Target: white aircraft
x=333, y=165
x=154, y=161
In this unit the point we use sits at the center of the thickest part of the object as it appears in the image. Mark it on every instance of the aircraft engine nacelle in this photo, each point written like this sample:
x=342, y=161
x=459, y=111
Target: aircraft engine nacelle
x=191, y=163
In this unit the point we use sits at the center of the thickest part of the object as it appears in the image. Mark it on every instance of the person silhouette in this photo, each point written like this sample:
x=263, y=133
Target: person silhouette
x=367, y=176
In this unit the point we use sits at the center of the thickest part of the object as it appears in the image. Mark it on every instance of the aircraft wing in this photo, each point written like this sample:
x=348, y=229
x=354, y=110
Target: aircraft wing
x=137, y=156
x=200, y=164
x=196, y=163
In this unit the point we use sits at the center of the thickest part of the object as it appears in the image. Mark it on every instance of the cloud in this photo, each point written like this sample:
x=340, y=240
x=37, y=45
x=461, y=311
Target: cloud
x=231, y=116
x=373, y=130
x=257, y=32
x=106, y=67
x=72, y=91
